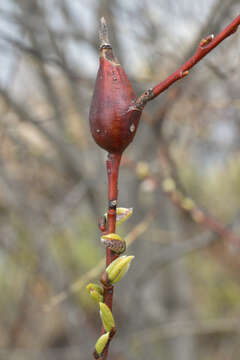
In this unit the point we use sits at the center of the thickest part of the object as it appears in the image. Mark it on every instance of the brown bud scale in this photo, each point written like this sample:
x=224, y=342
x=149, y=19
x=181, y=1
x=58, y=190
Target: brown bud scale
x=118, y=246
x=105, y=280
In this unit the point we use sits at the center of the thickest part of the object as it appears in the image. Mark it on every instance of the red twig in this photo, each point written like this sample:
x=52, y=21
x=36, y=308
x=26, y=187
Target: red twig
x=206, y=45
x=113, y=163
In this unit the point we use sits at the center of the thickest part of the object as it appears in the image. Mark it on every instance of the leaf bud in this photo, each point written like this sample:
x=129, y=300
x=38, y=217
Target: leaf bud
x=96, y=291
x=123, y=214
x=101, y=344
x=118, y=268
x=114, y=242
x=106, y=317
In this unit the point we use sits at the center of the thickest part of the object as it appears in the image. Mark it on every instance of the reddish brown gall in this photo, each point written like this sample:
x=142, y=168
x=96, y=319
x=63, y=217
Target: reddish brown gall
x=113, y=118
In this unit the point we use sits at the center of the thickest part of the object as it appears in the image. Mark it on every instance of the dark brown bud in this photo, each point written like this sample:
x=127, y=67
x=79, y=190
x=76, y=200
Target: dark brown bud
x=113, y=117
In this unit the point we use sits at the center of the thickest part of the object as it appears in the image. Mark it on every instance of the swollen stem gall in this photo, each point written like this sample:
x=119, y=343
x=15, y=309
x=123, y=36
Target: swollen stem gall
x=113, y=117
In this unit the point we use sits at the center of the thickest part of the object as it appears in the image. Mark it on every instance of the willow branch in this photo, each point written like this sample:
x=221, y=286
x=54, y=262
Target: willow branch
x=112, y=164
x=206, y=45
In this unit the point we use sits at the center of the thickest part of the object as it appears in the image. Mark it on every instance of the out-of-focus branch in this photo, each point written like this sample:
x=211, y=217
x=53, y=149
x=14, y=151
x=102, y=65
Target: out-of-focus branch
x=56, y=139
x=180, y=328
x=172, y=187
x=48, y=60
x=19, y=45
x=69, y=155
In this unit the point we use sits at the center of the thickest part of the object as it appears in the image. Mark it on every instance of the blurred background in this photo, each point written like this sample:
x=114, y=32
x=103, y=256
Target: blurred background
x=181, y=297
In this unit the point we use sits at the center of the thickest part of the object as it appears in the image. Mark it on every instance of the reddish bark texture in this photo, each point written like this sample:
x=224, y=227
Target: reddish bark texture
x=113, y=163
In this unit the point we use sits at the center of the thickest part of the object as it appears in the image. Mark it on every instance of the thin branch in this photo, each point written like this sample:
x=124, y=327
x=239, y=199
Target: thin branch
x=206, y=45
x=55, y=139
x=179, y=328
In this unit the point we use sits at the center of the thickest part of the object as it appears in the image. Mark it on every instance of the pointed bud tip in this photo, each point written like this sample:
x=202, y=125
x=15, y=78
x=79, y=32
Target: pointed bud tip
x=101, y=343
x=106, y=317
x=118, y=268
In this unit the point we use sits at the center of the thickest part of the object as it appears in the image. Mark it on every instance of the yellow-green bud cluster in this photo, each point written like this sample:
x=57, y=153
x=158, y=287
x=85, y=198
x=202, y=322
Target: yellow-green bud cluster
x=112, y=274
x=113, y=241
